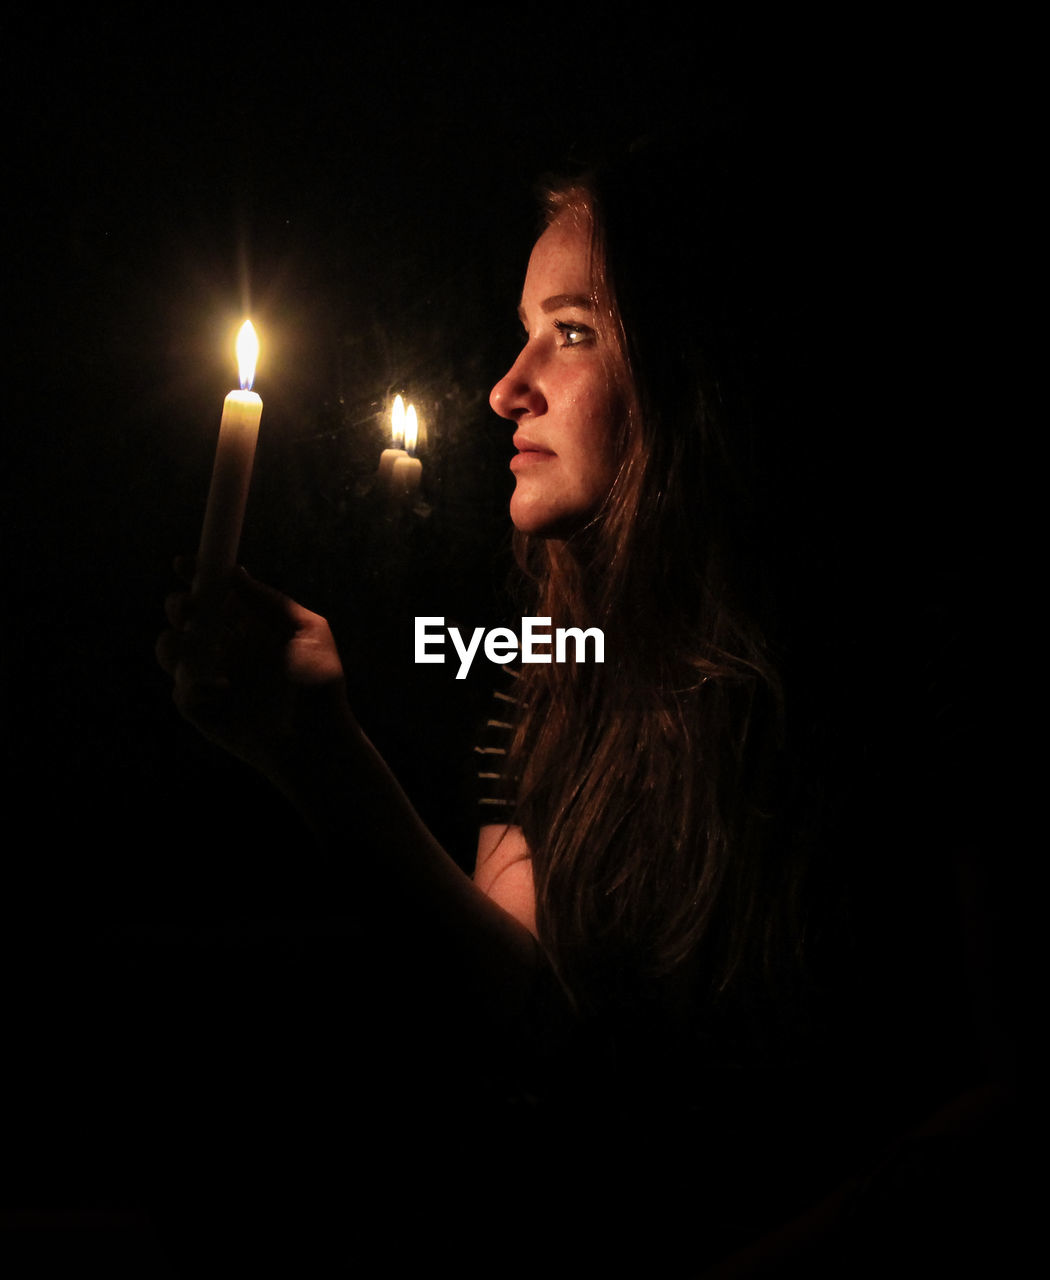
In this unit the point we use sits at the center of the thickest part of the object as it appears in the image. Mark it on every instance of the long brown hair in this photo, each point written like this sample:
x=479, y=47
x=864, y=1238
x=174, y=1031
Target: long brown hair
x=647, y=786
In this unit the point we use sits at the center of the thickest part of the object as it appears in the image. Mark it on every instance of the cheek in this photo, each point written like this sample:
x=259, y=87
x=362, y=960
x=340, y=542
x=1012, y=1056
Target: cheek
x=601, y=436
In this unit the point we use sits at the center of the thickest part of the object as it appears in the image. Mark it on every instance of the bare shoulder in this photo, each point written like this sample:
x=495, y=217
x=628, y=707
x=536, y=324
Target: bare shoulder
x=503, y=871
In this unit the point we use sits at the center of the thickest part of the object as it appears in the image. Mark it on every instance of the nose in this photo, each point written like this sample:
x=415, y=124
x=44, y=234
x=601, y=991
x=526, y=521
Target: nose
x=516, y=395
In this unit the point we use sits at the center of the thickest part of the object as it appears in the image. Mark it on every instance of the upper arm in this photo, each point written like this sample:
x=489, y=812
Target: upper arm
x=503, y=871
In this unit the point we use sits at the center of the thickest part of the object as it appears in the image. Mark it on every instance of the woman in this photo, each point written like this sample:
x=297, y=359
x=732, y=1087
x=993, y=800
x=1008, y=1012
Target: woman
x=642, y=784
x=650, y=937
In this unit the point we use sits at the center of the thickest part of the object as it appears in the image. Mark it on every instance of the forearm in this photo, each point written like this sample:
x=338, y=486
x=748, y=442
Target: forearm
x=411, y=900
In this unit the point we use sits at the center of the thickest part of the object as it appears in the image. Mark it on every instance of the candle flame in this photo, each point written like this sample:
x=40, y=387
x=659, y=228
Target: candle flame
x=397, y=423
x=411, y=429
x=247, y=354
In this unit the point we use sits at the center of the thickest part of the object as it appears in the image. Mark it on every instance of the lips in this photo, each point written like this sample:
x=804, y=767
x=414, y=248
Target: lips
x=529, y=454
x=529, y=451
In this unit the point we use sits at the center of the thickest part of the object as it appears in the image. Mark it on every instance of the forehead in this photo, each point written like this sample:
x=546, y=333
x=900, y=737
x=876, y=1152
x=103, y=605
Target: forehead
x=560, y=261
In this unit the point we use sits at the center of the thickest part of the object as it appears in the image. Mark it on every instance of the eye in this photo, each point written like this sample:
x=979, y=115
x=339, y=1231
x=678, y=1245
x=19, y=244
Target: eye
x=573, y=335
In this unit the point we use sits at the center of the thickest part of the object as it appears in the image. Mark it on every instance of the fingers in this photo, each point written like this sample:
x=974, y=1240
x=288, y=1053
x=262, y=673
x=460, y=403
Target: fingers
x=177, y=609
x=236, y=621
x=247, y=664
x=168, y=651
x=204, y=702
x=247, y=598
x=179, y=605
x=183, y=607
x=195, y=623
x=188, y=653
x=195, y=662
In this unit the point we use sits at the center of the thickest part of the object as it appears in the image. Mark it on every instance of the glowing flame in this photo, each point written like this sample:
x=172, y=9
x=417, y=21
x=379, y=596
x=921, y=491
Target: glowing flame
x=411, y=428
x=397, y=423
x=247, y=354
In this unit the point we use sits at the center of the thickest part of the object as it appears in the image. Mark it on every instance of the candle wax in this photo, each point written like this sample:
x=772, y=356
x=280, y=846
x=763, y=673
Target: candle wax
x=228, y=494
x=407, y=474
x=387, y=459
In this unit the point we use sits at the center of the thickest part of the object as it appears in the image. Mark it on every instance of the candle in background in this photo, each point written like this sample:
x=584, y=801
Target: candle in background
x=397, y=435
x=232, y=472
x=408, y=470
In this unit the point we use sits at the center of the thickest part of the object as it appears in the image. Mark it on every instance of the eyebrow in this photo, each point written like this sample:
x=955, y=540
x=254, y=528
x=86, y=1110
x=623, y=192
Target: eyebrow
x=560, y=300
x=566, y=300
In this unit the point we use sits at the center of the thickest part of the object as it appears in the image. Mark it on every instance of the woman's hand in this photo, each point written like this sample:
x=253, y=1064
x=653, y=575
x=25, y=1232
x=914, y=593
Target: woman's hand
x=253, y=671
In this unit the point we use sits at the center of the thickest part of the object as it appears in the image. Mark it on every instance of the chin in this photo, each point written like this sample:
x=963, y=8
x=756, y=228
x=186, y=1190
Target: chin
x=545, y=520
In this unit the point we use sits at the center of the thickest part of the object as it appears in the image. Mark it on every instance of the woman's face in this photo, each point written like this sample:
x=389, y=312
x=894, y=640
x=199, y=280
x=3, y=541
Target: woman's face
x=558, y=393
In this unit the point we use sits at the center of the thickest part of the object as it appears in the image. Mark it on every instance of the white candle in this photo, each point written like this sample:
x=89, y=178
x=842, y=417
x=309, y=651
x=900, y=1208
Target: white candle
x=397, y=435
x=408, y=470
x=232, y=472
